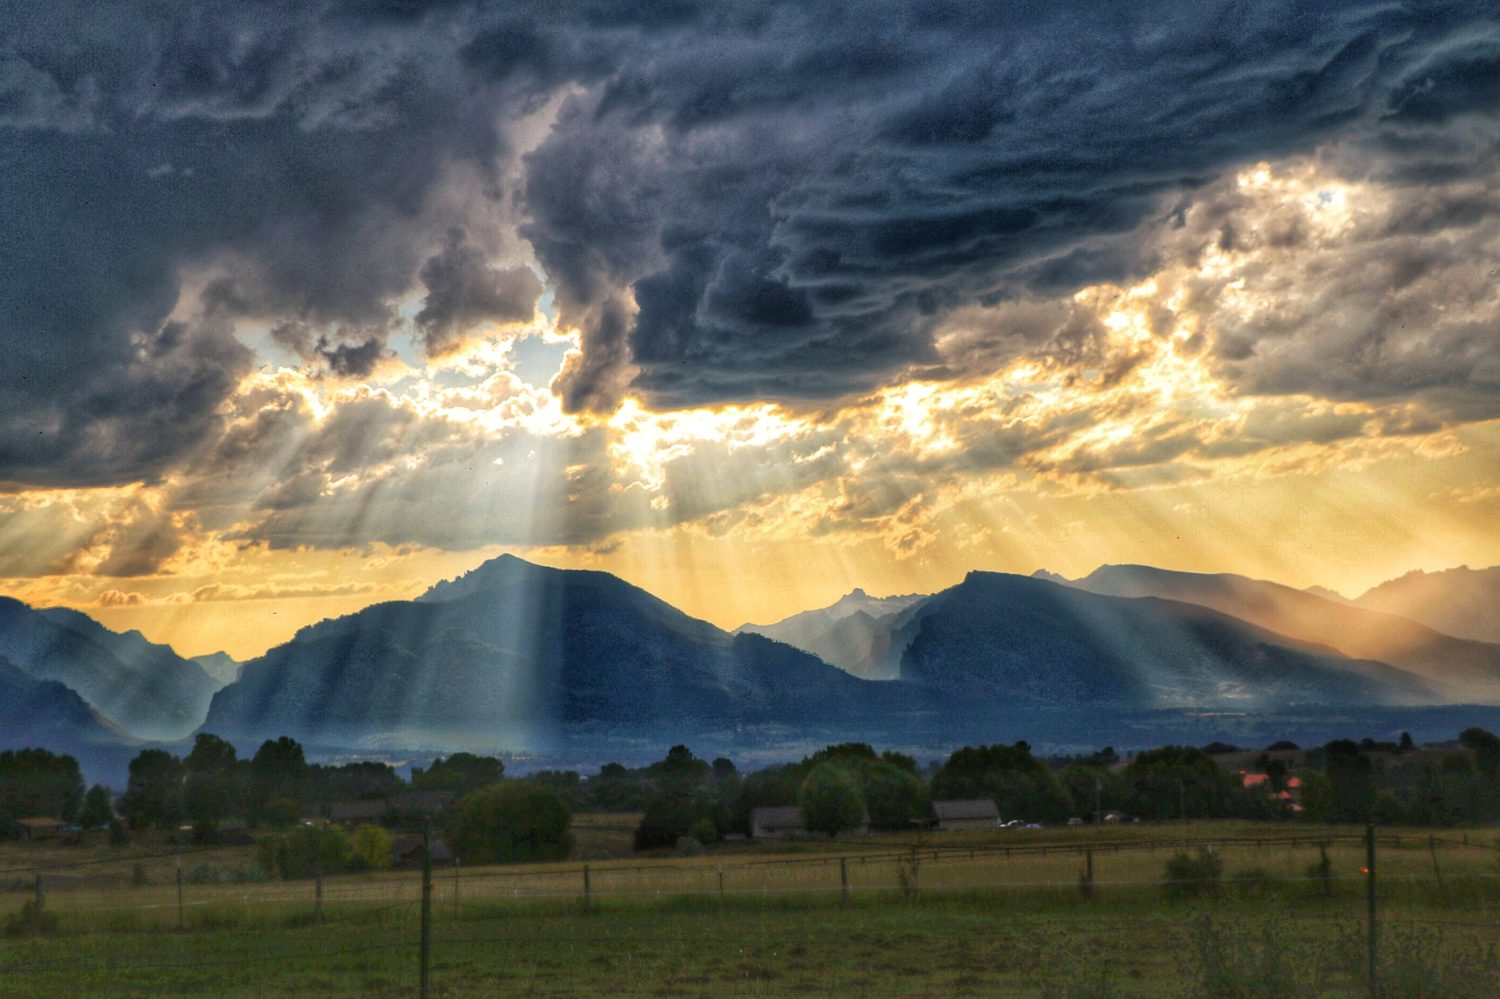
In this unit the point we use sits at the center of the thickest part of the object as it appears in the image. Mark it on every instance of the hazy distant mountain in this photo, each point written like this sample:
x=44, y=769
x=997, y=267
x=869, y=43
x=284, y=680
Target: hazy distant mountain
x=513, y=653
x=1463, y=601
x=1464, y=670
x=46, y=713
x=145, y=689
x=516, y=655
x=220, y=666
x=1031, y=641
x=853, y=633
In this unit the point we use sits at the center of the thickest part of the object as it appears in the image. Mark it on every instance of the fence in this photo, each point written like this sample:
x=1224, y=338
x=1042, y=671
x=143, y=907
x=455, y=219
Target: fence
x=1004, y=916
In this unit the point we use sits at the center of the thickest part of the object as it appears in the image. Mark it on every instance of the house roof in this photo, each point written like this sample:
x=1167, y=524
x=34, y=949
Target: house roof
x=779, y=817
x=966, y=808
x=343, y=811
x=410, y=848
x=40, y=823
x=421, y=801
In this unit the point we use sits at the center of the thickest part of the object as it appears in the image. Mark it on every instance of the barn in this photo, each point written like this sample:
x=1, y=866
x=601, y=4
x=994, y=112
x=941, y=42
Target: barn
x=966, y=813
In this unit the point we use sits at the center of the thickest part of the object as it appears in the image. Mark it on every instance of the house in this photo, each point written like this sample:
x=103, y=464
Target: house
x=1290, y=796
x=356, y=813
x=40, y=828
x=783, y=822
x=424, y=802
x=967, y=813
x=407, y=851
x=235, y=831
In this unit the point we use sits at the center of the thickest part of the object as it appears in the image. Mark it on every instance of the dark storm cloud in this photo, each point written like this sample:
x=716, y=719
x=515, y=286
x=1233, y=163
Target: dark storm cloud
x=743, y=201
x=463, y=289
x=796, y=197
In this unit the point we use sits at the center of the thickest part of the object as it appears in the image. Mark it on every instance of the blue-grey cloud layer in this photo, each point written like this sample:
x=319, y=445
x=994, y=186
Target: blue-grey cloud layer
x=746, y=201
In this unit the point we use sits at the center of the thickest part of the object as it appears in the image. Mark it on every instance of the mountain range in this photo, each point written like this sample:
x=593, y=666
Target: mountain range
x=1460, y=602
x=520, y=657
x=1460, y=669
x=141, y=687
x=515, y=653
x=853, y=633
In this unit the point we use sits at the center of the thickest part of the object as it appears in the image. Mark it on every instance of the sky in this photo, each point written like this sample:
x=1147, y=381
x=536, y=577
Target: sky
x=306, y=306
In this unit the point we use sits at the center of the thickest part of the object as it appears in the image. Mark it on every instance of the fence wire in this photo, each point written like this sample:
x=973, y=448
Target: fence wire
x=985, y=920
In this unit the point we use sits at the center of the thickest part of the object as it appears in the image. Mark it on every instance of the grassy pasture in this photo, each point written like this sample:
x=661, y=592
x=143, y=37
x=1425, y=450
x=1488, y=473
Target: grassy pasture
x=986, y=925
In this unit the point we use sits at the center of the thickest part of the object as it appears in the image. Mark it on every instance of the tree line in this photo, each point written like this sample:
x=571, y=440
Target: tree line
x=492, y=817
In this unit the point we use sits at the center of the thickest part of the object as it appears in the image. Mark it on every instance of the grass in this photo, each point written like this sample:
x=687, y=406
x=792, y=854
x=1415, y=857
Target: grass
x=990, y=925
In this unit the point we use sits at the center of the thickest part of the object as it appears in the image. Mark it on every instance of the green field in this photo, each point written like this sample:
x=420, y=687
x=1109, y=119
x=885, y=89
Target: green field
x=772, y=921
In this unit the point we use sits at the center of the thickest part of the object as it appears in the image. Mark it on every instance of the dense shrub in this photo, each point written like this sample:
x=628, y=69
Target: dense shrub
x=1190, y=875
x=1020, y=784
x=830, y=800
x=302, y=852
x=372, y=848
x=508, y=822
x=668, y=819
x=30, y=922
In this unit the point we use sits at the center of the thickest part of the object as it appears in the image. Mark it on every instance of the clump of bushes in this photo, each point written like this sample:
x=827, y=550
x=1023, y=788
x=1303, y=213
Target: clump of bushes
x=31, y=921
x=1193, y=875
x=372, y=848
x=1253, y=882
x=302, y=852
x=510, y=822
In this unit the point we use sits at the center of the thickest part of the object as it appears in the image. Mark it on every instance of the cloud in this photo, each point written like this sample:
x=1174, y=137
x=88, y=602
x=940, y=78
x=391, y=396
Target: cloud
x=463, y=290
x=214, y=592
x=119, y=598
x=825, y=263
x=794, y=216
x=774, y=202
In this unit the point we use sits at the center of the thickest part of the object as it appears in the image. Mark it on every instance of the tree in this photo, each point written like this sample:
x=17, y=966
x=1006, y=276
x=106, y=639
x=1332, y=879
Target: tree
x=1178, y=782
x=36, y=782
x=304, y=851
x=726, y=777
x=363, y=780
x=1486, y=748
x=901, y=760
x=96, y=812
x=688, y=792
x=508, y=822
x=210, y=789
x=893, y=795
x=1351, y=783
x=460, y=773
x=682, y=775
x=766, y=788
x=277, y=771
x=617, y=789
x=669, y=818
x=153, y=794
x=567, y=783
x=372, y=847
x=1094, y=789
x=1020, y=785
x=830, y=799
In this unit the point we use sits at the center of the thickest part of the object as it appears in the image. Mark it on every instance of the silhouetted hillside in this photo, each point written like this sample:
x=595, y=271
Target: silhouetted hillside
x=145, y=689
